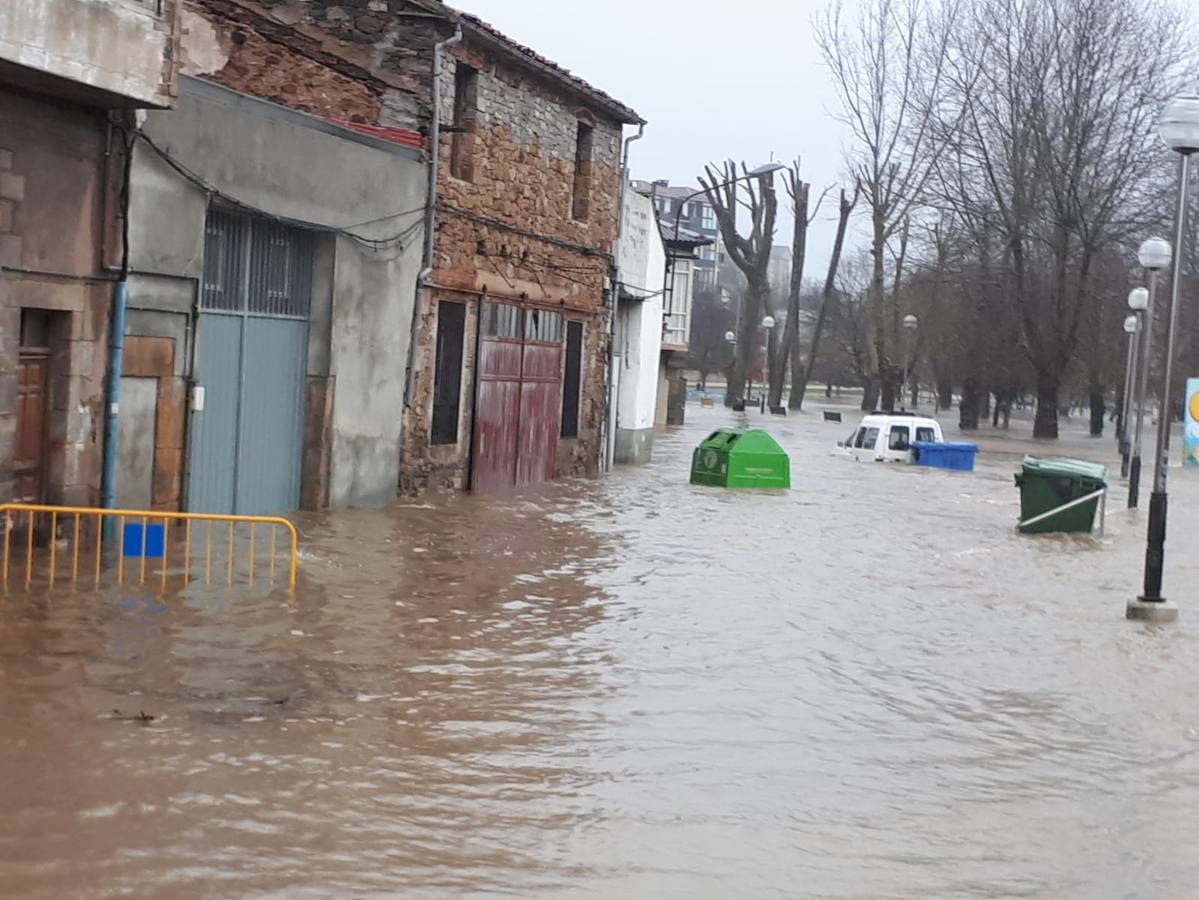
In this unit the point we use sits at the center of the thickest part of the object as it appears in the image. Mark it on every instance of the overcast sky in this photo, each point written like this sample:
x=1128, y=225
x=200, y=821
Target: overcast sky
x=714, y=80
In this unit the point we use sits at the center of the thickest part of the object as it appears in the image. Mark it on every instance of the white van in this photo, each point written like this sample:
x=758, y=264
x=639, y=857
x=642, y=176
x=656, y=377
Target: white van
x=888, y=436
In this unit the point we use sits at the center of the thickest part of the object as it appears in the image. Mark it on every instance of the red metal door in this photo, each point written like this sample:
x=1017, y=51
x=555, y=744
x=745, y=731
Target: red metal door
x=518, y=399
x=30, y=454
x=497, y=408
x=540, y=409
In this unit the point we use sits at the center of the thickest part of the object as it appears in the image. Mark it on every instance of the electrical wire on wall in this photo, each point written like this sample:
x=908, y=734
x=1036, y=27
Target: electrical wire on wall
x=398, y=241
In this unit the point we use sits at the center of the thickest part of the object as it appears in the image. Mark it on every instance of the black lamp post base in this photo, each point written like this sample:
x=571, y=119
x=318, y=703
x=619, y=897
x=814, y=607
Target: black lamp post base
x=1157, y=611
x=1134, y=482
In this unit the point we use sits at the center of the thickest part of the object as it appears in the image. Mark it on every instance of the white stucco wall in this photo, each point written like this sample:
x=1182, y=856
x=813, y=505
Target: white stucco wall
x=117, y=46
x=642, y=272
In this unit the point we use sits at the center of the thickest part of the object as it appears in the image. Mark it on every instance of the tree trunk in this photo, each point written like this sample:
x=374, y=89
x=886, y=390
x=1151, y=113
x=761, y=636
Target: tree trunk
x=746, y=350
x=800, y=387
x=1098, y=410
x=776, y=357
x=1045, y=423
x=996, y=410
x=890, y=388
x=1121, y=425
x=798, y=189
x=828, y=391
x=968, y=408
x=869, y=394
x=876, y=331
x=944, y=395
x=984, y=404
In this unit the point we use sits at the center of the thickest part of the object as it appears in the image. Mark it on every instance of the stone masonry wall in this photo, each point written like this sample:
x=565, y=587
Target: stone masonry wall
x=237, y=55
x=509, y=232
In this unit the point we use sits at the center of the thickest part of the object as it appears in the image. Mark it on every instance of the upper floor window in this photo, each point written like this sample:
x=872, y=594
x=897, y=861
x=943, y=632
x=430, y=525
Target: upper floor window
x=707, y=217
x=466, y=105
x=584, y=145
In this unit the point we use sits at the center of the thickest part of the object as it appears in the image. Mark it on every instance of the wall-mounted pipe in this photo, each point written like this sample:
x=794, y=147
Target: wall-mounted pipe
x=430, y=204
x=610, y=406
x=116, y=348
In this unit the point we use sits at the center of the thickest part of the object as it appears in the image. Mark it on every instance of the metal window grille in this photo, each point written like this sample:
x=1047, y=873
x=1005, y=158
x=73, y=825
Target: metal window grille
x=544, y=326
x=501, y=320
x=256, y=266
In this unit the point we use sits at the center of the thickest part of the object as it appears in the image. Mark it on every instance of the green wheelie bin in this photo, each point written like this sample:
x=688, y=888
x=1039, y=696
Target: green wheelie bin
x=1048, y=483
x=740, y=457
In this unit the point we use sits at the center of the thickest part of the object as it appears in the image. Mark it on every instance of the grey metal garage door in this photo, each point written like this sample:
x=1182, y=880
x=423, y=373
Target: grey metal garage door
x=246, y=445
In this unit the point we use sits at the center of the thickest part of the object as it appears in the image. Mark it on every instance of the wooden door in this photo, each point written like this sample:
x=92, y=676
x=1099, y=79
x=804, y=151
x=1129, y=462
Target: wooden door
x=29, y=461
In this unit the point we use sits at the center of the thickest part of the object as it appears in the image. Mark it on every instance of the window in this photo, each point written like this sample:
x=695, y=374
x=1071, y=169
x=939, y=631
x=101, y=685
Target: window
x=581, y=206
x=708, y=218
x=501, y=320
x=926, y=434
x=466, y=104
x=860, y=438
x=571, y=379
x=35, y=328
x=447, y=377
x=543, y=325
x=867, y=439
x=900, y=438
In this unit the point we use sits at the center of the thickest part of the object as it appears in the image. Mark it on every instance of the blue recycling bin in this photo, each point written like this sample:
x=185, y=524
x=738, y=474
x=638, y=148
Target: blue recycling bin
x=958, y=456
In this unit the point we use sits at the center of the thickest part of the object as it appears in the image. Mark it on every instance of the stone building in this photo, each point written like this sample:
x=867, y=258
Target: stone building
x=527, y=201
x=71, y=74
x=507, y=370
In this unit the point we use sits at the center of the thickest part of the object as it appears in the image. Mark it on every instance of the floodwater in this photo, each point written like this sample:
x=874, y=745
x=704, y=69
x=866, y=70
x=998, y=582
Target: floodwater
x=628, y=688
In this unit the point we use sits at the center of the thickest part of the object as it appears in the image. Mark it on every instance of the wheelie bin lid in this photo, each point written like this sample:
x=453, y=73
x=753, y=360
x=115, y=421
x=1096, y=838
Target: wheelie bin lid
x=1058, y=467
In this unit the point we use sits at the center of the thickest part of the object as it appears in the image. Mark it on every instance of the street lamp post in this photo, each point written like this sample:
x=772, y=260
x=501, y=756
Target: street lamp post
x=768, y=324
x=1154, y=255
x=1179, y=127
x=1131, y=327
x=910, y=324
x=731, y=337
x=767, y=169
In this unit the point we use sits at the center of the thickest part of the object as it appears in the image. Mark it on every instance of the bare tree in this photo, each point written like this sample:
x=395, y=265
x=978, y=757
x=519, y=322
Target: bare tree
x=888, y=79
x=798, y=190
x=1048, y=118
x=728, y=191
x=799, y=387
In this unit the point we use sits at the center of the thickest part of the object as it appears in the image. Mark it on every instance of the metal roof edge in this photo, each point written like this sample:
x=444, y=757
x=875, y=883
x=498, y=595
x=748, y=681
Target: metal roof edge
x=202, y=89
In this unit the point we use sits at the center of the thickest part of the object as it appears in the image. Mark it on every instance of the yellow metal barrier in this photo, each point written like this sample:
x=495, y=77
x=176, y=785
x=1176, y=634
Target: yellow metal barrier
x=16, y=515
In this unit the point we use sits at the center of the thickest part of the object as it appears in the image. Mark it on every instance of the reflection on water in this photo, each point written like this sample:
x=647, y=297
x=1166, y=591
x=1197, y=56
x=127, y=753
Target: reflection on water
x=868, y=687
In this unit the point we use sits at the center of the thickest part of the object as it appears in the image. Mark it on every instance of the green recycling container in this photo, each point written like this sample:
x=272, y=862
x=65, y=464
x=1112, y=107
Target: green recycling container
x=740, y=457
x=1047, y=483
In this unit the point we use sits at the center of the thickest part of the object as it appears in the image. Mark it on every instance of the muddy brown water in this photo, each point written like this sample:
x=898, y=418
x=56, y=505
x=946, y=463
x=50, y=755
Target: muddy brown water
x=625, y=688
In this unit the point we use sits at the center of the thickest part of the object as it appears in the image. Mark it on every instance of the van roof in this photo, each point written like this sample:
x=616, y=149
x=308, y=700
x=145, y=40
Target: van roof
x=904, y=416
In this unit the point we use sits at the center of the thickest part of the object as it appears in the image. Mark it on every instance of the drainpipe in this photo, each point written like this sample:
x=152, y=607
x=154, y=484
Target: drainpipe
x=116, y=349
x=430, y=202
x=614, y=295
